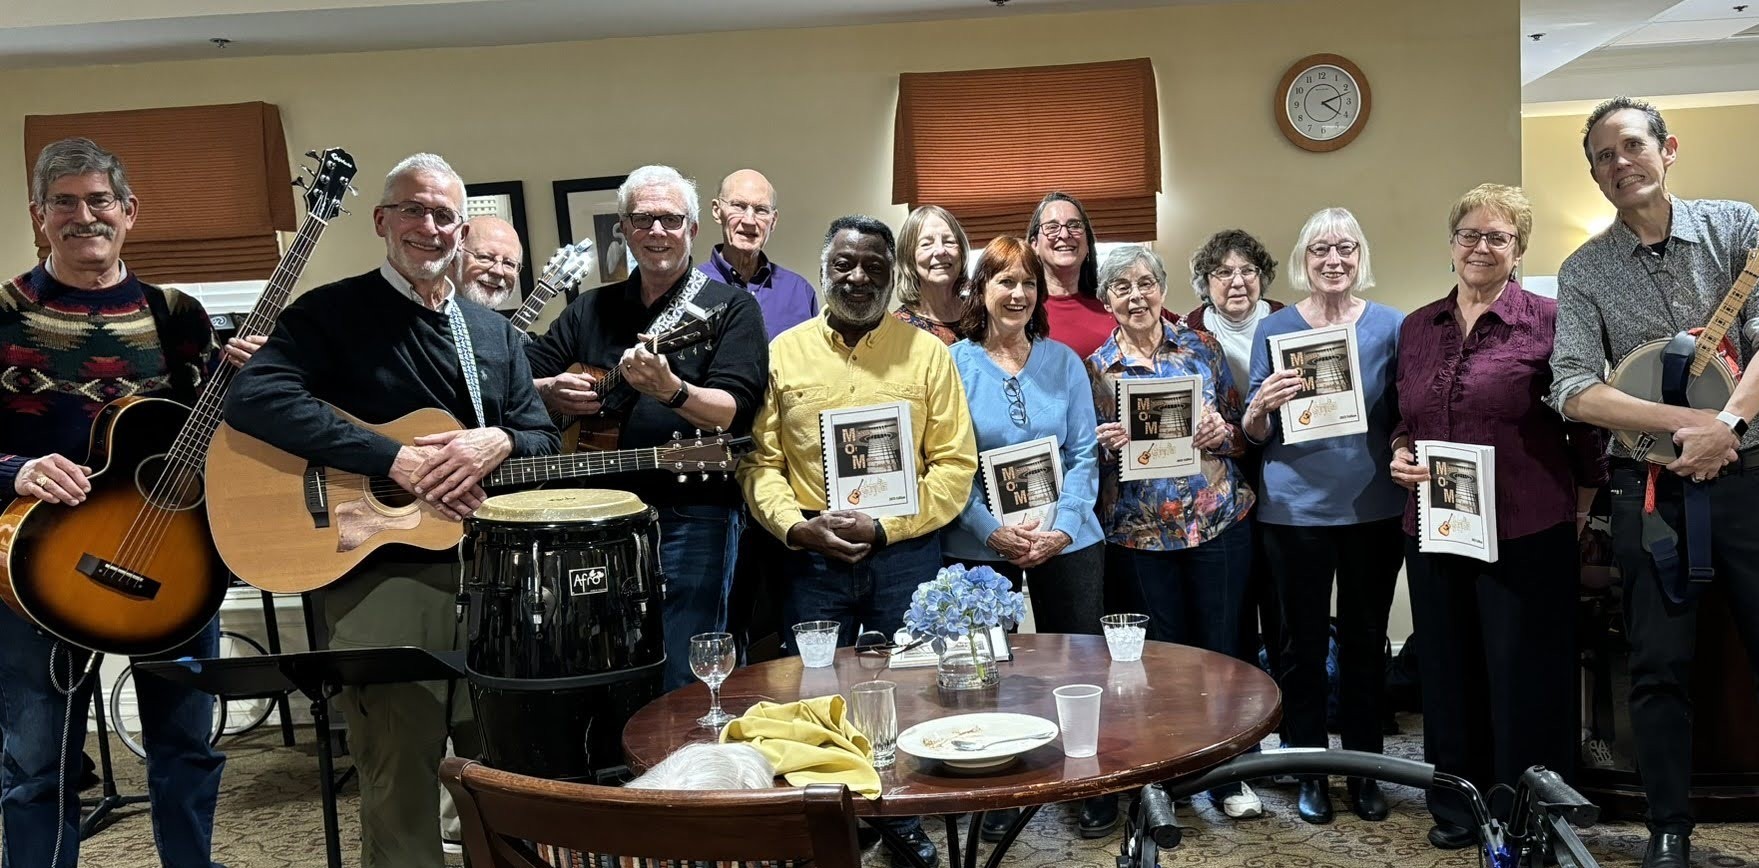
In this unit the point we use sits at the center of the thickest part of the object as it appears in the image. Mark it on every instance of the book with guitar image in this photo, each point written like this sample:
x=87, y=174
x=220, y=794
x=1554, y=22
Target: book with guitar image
x=1330, y=402
x=286, y=525
x=601, y=432
x=1161, y=416
x=133, y=570
x=1704, y=363
x=1456, y=508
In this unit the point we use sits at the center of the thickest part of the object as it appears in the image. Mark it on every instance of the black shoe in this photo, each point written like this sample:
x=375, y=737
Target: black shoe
x=918, y=842
x=1447, y=836
x=996, y=823
x=1366, y=799
x=88, y=773
x=866, y=836
x=1099, y=816
x=1668, y=850
x=1314, y=801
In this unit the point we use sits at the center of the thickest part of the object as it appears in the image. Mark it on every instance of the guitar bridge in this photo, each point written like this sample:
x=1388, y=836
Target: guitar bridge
x=317, y=495
x=116, y=578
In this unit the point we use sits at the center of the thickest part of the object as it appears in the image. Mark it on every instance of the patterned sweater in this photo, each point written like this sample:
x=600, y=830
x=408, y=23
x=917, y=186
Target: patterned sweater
x=66, y=352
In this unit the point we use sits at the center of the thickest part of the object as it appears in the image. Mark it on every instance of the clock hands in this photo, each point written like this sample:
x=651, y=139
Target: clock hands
x=1331, y=103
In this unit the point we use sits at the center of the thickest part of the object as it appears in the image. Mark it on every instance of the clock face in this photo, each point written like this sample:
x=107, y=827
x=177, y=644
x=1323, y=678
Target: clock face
x=1323, y=102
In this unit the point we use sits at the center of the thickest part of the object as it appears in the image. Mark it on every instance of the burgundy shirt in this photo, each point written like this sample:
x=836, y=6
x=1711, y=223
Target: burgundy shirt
x=1487, y=389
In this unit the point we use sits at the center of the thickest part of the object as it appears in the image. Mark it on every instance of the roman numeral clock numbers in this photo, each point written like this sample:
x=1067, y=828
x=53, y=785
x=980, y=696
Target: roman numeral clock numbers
x=1322, y=102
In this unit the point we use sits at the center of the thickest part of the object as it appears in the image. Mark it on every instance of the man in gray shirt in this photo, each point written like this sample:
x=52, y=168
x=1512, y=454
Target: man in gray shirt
x=1662, y=267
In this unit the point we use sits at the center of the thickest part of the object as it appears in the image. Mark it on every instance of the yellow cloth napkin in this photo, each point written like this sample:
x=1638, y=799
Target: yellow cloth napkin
x=809, y=742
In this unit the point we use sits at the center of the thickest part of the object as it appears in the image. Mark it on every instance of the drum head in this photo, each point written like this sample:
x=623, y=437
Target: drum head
x=560, y=505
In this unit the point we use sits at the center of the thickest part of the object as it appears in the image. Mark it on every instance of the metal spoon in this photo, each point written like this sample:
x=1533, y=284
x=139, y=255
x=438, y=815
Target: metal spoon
x=972, y=744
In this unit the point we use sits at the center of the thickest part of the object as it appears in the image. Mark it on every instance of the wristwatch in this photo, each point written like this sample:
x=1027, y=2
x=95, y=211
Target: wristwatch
x=1734, y=423
x=678, y=398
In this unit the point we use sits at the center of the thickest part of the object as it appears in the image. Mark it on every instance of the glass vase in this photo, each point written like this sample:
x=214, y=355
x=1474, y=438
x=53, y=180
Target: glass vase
x=967, y=666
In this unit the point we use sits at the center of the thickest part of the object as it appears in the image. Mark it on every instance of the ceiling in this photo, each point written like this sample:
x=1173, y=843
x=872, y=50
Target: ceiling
x=1688, y=51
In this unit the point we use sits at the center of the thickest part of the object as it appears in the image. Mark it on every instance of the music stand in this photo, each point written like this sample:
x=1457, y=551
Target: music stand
x=319, y=675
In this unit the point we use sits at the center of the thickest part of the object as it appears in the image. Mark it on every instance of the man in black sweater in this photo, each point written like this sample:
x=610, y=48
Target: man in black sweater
x=715, y=385
x=379, y=346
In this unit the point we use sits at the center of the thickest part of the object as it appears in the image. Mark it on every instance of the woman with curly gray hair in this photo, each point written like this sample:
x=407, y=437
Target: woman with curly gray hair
x=1231, y=273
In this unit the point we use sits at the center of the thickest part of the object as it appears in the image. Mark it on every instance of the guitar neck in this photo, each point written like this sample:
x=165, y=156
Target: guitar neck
x=1705, y=351
x=549, y=468
x=534, y=304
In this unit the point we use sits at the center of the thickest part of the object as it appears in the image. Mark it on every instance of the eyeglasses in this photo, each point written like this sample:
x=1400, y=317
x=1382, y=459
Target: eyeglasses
x=761, y=212
x=1146, y=286
x=67, y=203
x=1469, y=238
x=444, y=218
x=1227, y=275
x=644, y=220
x=873, y=643
x=490, y=260
x=1053, y=229
x=1345, y=249
x=1016, y=402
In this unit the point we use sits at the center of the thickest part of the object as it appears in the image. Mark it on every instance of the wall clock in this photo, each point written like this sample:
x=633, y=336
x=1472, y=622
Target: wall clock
x=1322, y=102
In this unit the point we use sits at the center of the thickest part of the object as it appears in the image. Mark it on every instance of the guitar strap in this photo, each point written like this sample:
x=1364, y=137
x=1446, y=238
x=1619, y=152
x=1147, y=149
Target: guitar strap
x=674, y=312
x=1680, y=585
x=177, y=370
x=466, y=357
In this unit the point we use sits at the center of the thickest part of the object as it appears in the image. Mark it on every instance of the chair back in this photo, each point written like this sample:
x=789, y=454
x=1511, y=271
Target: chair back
x=505, y=814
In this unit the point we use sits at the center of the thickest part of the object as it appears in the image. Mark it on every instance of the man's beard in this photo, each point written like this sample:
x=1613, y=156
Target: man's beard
x=486, y=294
x=421, y=270
x=860, y=314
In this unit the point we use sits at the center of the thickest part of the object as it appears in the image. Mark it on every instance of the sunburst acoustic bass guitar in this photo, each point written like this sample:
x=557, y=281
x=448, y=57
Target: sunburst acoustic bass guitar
x=133, y=570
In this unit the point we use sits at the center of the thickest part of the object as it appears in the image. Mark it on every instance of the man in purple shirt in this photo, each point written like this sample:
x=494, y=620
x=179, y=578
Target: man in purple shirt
x=746, y=210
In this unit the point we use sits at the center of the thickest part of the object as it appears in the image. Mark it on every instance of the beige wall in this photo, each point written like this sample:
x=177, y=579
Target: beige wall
x=813, y=109
x=1715, y=162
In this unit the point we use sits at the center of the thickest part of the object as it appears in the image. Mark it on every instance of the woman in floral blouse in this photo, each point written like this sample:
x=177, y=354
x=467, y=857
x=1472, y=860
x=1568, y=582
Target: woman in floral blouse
x=1188, y=538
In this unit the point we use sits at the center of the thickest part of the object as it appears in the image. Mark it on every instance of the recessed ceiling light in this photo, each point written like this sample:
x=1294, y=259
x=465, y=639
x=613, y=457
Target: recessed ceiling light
x=220, y=41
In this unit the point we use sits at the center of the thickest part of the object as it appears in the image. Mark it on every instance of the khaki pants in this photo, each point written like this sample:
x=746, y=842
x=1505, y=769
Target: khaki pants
x=397, y=732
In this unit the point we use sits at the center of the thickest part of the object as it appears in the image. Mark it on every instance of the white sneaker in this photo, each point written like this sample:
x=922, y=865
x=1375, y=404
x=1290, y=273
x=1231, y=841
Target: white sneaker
x=1243, y=804
x=448, y=845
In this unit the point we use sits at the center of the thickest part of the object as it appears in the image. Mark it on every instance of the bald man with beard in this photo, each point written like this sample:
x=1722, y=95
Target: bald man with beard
x=489, y=260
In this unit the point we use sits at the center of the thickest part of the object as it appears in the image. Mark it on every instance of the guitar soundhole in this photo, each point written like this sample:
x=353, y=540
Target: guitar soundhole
x=169, y=485
x=389, y=493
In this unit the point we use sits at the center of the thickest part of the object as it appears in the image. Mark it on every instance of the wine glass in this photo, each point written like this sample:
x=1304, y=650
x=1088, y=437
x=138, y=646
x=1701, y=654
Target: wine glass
x=711, y=658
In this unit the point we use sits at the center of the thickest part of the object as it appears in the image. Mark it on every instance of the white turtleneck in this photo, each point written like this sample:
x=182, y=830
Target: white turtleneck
x=1236, y=341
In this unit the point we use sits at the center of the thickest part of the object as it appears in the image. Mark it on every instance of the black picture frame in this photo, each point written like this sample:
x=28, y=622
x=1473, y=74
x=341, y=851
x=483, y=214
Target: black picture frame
x=585, y=196
x=515, y=192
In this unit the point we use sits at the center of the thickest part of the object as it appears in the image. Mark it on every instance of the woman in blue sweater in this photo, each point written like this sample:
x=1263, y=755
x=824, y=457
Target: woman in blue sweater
x=1330, y=508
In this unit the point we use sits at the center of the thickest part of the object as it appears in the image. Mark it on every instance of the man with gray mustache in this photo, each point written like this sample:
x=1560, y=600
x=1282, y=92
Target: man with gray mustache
x=489, y=261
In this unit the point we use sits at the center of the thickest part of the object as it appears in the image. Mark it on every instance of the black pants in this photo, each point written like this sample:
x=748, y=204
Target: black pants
x=1365, y=559
x=1664, y=634
x=1067, y=590
x=1498, y=661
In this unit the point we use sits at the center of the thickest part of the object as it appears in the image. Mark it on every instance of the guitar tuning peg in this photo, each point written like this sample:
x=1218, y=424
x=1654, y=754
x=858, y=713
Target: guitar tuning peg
x=306, y=169
x=705, y=477
x=683, y=478
x=313, y=154
x=352, y=191
x=675, y=435
x=343, y=210
x=299, y=182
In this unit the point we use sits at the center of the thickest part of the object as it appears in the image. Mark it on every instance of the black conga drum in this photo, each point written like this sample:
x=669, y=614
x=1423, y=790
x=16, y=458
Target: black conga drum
x=563, y=601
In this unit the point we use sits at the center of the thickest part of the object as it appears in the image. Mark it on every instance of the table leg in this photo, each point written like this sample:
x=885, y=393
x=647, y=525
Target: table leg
x=1001, y=848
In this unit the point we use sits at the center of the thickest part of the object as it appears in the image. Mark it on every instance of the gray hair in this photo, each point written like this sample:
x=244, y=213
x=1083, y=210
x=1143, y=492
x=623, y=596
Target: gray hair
x=76, y=156
x=731, y=766
x=1330, y=221
x=1122, y=259
x=861, y=224
x=433, y=164
x=659, y=176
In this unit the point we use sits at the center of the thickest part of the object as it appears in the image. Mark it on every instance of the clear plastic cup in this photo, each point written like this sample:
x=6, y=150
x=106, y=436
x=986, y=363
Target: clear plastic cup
x=817, y=642
x=1124, y=635
x=1078, y=717
x=873, y=709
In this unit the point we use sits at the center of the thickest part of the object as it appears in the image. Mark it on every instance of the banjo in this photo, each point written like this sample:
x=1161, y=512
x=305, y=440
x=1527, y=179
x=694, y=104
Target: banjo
x=1715, y=367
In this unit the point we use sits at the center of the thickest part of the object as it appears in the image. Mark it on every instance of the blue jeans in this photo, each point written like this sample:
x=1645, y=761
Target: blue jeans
x=183, y=770
x=870, y=594
x=1194, y=596
x=698, y=548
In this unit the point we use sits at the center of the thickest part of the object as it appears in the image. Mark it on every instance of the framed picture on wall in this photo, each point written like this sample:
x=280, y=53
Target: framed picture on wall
x=506, y=200
x=587, y=208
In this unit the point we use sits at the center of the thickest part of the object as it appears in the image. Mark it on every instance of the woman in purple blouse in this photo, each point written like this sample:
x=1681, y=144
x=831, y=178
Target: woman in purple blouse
x=1498, y=644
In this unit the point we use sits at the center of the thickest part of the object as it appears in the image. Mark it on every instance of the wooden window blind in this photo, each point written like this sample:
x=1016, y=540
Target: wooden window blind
x=213, y=183
x=988, y=144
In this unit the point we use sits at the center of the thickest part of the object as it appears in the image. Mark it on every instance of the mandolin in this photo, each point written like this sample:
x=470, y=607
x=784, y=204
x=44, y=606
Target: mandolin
x=133, y=570
x=286, y=525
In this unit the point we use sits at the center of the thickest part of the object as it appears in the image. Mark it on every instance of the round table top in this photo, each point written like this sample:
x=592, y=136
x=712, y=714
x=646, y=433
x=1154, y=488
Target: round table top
x=1179, y=710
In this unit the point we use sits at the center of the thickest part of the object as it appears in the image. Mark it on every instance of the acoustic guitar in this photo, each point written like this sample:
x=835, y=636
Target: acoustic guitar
x=286, y=525
x=133, y=569
x=602, y=431
x=1713, y=369
x=570, y=263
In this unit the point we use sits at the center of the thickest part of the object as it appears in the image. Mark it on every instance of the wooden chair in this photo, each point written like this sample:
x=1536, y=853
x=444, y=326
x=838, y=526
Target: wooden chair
x=505, y=814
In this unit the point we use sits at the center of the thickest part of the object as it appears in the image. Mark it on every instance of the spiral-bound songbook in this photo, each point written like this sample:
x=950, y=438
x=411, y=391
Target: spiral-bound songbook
x=869, y=459
x=1330, y=402
x=1161, y=414
x=1021, y=483
x=1456, y=508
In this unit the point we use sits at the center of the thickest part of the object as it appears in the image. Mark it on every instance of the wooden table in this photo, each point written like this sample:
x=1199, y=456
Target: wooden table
x=1179, y=710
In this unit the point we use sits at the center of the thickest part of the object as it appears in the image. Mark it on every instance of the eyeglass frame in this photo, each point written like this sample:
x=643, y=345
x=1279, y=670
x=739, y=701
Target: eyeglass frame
x=405, y=212
x=494, y=261
x=60, y=204
x=1320, y=249
x=1016, y=402
x=1508, y=239
x=1051, y=228
x=760, y=212
x=1146, y=290
x=885, y=647
x=635, y=219
x=1247, y=273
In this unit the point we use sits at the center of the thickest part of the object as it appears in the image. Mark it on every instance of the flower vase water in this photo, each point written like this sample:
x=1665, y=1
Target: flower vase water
x=960, y=603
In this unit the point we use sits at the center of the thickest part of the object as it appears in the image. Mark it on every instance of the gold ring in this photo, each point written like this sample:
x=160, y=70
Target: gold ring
x=42, y=482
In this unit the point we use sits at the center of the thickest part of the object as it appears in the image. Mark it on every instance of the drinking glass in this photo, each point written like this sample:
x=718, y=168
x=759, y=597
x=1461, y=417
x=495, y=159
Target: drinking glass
x=711, y=658
x=1078, y=718
x=873, y=709
x=817, y=642
x=1124, y=635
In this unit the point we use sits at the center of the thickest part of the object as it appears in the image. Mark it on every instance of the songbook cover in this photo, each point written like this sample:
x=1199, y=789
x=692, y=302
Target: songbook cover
x=1021, y=483
x=1456, y=508
x=1330, y=402
x=1161, y=416
x=870, y=459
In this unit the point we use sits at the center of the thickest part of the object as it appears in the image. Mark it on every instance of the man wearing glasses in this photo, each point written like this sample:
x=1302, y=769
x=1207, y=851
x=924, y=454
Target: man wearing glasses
x=746, y=210
x=488, y=263
x=714, y=385
x=381, y=345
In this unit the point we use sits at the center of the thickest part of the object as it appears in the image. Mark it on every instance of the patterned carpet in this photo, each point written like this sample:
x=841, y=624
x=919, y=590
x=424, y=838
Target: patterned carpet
x=269, y=818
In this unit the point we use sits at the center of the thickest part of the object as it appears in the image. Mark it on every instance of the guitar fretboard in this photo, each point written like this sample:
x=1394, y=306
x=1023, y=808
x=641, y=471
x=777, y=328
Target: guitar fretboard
x=1705, y=350
x=534, y=304
x=547, y=468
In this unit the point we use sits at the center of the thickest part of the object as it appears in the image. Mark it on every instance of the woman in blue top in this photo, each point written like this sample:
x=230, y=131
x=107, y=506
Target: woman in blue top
x=1330, y=507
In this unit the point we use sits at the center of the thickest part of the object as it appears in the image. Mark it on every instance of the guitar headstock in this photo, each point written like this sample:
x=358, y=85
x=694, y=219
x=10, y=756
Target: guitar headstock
x=698, y=327
x=717, y=453
x=333, y=177
x=569, y=265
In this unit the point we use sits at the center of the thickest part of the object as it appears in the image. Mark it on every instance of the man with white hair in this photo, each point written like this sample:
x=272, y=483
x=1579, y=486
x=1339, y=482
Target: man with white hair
x=716, y=385
x=489, y=262
x=381, y=345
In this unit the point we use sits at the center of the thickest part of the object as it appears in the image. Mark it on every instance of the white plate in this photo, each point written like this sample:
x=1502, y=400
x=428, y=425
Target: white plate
x=932, y=739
